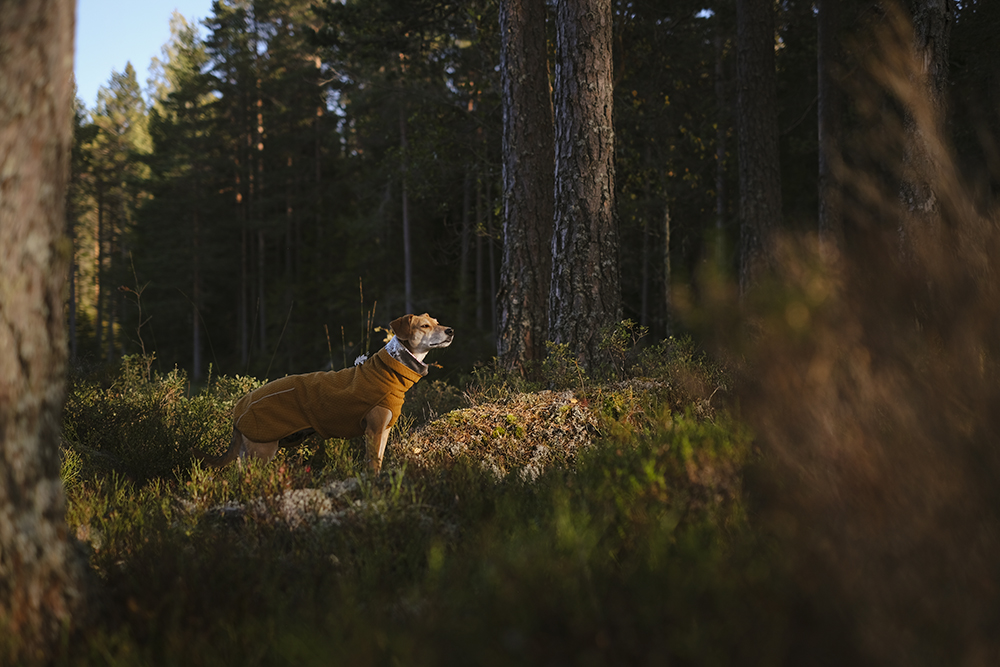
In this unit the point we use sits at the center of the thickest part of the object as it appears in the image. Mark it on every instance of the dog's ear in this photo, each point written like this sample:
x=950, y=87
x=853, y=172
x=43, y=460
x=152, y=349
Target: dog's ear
x=403, y=327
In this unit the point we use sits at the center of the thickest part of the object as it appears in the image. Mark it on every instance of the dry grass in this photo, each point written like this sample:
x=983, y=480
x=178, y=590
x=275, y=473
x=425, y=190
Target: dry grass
x=525, y=433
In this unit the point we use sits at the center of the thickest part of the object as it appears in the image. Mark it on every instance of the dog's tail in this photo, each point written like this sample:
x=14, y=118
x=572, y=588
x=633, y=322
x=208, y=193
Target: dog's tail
x=218, y=461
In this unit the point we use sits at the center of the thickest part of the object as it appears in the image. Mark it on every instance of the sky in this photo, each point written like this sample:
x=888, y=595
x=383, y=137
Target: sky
x=110, y=33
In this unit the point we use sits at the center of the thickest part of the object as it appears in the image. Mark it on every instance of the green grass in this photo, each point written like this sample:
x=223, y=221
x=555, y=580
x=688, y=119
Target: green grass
x=634, y=548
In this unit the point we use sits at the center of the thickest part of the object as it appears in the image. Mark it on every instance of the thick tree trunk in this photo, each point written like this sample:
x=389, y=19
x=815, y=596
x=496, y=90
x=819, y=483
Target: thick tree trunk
x=760, y=176
x=585, y=295
x=40, y=574
x=528, y=163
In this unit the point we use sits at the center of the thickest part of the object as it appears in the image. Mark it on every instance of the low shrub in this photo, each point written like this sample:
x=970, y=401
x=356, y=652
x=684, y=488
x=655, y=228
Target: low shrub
x=602, y=523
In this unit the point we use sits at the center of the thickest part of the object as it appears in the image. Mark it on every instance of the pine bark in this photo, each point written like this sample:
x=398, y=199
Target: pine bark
x=528, y=163
x=759, y=172
x=40, y=574
x=585, y=294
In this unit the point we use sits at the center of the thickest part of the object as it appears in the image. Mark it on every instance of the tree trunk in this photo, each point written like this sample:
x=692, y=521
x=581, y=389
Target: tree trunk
x=932, y=20
x=109, y=341
x=261, y=294
x=466, y=245
x=528, y=163
x=760, y=176
x=721, y=128
x=668, y=297
x=647, y=237
x=243, y=295
x=40, y=574
x=644, y=275
x=71, y=310
x=480, y=265
x=491, y=255
x=829, y=112
x=585, y=295
x=196, y=362
x=407, y=257
x=99, y=272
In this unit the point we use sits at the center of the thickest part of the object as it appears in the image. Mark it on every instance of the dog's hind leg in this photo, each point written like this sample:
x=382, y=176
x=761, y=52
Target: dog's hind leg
x=235, y=447
x=242, y=447
x=377, y=435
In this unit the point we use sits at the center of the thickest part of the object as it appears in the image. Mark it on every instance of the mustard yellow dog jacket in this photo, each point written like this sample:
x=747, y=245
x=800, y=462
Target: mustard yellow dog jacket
x=333, y=403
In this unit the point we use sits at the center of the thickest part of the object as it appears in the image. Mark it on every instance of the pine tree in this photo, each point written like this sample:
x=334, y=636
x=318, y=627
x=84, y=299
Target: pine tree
x=181, y=249
x=585, y=296
x=528, y=161
x=117, y=173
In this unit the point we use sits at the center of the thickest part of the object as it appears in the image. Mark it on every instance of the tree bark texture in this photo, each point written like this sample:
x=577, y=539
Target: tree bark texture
x=932, y=21
x=528, y=164
x=757, y=128
x=585, y=295
x=39, y=571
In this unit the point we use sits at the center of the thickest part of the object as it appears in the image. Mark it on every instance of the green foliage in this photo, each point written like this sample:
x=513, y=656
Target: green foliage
x=638, y=545
x=561, y=368
x=638, y=552
x=619, y=342
x=143, y=424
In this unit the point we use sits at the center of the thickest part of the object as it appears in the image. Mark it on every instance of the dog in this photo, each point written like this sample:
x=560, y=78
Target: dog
x=365, y=399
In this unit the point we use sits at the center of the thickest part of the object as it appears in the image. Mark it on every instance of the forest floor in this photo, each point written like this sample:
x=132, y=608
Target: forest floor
x=592, y=523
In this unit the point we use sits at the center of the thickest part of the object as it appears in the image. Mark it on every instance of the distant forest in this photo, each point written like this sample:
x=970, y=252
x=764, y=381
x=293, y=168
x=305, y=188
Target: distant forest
x=245, y=209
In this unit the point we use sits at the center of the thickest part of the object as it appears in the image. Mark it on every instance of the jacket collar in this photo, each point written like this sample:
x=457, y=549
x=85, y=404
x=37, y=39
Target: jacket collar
x=399, y=352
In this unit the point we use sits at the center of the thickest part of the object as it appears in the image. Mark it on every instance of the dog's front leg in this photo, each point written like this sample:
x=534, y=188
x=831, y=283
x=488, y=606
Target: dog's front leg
x=377, y=435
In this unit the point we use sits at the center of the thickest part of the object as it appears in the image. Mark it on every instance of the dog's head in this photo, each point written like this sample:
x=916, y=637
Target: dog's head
x=420, y=333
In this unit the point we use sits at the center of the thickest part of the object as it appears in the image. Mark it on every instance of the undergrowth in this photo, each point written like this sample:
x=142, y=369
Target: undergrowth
x=628, y=542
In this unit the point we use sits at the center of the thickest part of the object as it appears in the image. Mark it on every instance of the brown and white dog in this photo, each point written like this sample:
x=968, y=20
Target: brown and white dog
x=365, y=399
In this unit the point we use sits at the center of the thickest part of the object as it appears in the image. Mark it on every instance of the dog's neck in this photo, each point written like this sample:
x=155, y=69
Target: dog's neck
x=413, y=360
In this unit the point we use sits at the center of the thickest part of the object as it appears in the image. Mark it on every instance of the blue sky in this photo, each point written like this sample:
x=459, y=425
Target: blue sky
x=110, y=33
